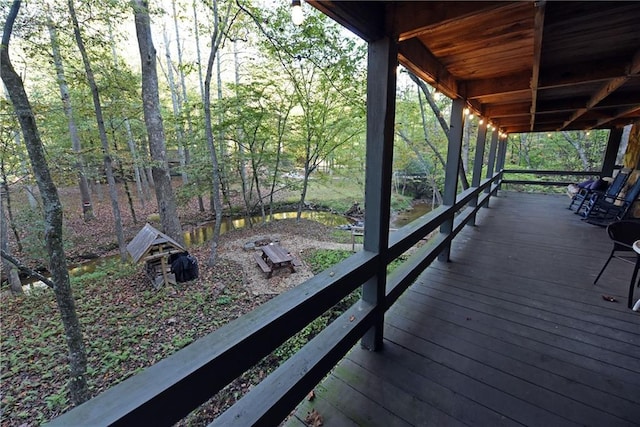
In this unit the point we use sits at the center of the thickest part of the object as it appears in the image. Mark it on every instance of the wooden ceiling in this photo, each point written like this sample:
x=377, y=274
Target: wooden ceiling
x=525, y=66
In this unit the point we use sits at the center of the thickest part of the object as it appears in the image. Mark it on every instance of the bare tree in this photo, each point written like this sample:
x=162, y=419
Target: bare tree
x=108, y=167
x=52, y=215
x=153, y=121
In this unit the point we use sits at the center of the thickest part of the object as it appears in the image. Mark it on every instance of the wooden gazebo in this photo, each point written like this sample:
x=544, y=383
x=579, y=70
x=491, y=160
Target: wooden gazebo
x=154, y=248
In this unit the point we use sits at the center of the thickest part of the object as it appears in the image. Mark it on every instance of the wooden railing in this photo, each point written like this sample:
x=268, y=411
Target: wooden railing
x=581, y=174
x=167, y=391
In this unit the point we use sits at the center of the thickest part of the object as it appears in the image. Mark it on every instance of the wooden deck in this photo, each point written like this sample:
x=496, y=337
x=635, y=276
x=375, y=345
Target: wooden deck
x=510, y=332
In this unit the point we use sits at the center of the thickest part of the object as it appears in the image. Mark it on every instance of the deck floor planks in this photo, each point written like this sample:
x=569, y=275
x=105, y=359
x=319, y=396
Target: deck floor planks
x=586, y=304
x=550, y=372
x=561, y=325
x=551, y=345
x=402, y=396
x=512, y=331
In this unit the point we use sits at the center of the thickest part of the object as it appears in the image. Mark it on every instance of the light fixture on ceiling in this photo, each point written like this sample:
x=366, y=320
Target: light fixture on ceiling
x=297, y=15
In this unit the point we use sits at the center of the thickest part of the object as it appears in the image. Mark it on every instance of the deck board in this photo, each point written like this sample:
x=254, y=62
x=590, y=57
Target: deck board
x=512, y=331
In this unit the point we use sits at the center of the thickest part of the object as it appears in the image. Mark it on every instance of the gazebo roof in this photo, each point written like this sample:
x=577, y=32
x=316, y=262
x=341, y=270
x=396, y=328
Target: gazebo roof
x=146, y=239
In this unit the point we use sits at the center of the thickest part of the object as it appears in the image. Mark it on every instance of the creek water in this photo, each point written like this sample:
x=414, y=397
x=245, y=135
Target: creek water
x=203, y=233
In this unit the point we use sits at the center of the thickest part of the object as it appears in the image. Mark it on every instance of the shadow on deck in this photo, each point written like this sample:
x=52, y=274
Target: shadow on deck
x=511, y=331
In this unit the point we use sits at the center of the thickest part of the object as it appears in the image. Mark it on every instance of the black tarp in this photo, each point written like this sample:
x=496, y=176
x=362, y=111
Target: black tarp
x=184, y=266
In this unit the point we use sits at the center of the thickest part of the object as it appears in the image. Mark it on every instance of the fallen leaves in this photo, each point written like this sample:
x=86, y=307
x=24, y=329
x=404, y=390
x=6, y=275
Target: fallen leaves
x=609, y=298
x=313, y=418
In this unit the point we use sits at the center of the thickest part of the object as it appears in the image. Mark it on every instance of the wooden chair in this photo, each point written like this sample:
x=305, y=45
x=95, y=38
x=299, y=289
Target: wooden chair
x=602, y=211
x=579, y=200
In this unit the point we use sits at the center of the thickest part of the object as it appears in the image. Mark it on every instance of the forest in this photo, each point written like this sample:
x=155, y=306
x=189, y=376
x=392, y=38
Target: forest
x=116, y=113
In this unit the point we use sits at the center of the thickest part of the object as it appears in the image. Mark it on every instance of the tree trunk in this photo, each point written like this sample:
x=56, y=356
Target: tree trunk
x=242, y=165
x=85, y=195
x=578, y=145
x=52, y=216
x=9, y=269
x=225, y=182
x=123, y=177
x=175, y=102
x=197, y=36
x=220, y=23
x=437, y=197
x=281, y=126
x=113, y=191
x=184, y=107
x=4, y=193
x=33, y=204
x=153, y=121
x=443, y=123
x=217, y=203
x=143, y=193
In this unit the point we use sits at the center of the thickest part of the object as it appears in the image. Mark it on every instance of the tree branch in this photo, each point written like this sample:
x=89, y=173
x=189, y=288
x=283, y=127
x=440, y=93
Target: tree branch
x=26, y=270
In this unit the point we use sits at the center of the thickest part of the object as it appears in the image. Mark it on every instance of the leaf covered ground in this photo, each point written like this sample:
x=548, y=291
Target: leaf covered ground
x=127, y=324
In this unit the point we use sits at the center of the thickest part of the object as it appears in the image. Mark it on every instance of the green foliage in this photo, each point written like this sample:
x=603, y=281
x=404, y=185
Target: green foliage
x=319, y=260
x=322, y=259
x=31, y=225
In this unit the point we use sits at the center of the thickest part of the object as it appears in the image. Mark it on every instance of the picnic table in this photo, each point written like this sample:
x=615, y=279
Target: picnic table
x=272, y=257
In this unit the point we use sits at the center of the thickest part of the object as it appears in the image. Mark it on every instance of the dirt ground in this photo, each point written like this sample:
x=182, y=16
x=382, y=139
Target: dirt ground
x=295, y=237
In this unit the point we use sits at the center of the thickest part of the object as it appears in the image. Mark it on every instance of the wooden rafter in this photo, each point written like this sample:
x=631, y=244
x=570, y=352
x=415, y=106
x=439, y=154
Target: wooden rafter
x=537, y=54
x=528, y=66
x=605, y=90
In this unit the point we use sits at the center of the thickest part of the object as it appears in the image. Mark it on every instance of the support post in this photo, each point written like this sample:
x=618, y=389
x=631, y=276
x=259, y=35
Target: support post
x=502, y=154
x=613, y=144
x=451, y=170
x=491, y=161
x=477, y=165
x=381, y=98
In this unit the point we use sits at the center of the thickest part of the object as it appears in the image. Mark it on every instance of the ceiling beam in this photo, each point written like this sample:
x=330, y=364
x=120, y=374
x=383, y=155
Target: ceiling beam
x=438, y=14
x=606, y=89
x=538, y=27
x=427, y=67
x=502, y=86
x=619, y=114
x=585, y=72
x=506, y=110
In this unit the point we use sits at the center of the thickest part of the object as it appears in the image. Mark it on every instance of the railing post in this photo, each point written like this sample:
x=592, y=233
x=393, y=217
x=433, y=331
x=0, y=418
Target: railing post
x=491, y=162
x=451, y=169
x=502, y=154
x=381, y=97
x=613, y=144
x=477, y=165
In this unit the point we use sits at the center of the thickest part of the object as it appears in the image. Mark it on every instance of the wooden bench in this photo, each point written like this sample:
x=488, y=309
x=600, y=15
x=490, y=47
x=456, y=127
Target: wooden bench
x=262, y=264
